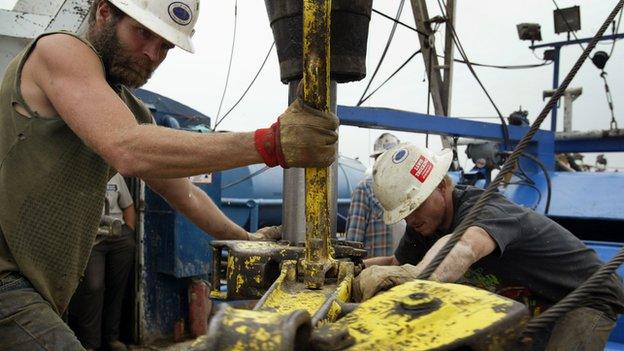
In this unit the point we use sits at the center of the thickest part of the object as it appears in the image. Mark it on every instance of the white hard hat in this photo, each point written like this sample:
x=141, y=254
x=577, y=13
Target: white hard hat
x=172, y=20
x=385, y=142
x=405, y=176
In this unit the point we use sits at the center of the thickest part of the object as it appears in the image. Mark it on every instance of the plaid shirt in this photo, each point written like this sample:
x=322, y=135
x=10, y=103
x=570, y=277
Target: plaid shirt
x=365, y=222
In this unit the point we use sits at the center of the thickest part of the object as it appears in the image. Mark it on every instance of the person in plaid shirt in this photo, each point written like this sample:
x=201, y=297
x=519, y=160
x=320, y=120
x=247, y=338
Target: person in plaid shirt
x=365, y=222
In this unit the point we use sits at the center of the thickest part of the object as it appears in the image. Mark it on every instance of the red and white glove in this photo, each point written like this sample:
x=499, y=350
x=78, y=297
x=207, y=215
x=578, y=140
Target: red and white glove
x=301, y=137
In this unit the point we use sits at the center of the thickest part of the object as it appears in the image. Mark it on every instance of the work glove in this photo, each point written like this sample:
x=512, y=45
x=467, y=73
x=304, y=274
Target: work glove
x=302, y=137
x=266, y=233
x=379, y=278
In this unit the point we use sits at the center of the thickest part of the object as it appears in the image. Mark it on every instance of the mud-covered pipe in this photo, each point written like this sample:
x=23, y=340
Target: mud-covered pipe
x=316, y=92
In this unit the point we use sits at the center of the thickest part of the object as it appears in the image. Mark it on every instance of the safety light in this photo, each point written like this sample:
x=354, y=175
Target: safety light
x=567, y=19
x=529, y=31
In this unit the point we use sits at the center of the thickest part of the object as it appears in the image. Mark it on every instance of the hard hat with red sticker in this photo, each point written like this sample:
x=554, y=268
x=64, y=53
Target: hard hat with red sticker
x=403, y=178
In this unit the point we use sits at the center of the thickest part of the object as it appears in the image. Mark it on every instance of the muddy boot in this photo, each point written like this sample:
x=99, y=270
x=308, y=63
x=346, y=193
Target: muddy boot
x=117, y=345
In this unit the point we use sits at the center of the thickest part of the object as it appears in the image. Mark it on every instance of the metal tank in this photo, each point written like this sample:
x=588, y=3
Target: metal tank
x=252, y=195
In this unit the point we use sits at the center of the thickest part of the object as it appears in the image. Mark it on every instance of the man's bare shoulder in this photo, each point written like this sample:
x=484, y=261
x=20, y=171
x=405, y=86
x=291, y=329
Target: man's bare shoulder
x=65, y=53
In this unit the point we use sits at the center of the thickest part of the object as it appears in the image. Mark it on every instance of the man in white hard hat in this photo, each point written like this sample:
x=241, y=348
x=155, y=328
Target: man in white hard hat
x=509, y=249
x=365, y=221
x=68, y=122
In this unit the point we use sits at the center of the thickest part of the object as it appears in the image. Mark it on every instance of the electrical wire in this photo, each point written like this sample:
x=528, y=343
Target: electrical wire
x=392, y=75
x=546, y=175
x=248, y=87
x=527, y=66
x=396, y=20
x=249, y=176
x=429, y=92
x=385, y=51
x=523, y=175
x=537, y=190
x=616, y=30
x=227, y=77
x=523, y=66
x=462, y=52
x=429, y=86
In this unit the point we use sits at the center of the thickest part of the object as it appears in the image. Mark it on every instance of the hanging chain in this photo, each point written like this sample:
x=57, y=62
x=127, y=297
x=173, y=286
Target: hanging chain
x=613, y=124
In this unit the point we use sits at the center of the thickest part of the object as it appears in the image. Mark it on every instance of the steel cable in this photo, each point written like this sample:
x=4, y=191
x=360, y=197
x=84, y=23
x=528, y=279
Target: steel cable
x=586, y=290
x=538, y=322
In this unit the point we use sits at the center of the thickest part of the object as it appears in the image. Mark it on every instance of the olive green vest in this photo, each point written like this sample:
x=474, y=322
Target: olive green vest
x=52, y=190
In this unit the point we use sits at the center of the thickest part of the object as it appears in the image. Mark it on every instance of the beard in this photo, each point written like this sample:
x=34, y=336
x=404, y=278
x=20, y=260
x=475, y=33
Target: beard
x=119, y=65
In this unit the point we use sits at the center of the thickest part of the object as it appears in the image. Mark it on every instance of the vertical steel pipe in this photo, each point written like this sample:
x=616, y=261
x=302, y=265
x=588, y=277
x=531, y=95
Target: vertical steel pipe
x=316, y=92
x=293, y=209
x=293, y=206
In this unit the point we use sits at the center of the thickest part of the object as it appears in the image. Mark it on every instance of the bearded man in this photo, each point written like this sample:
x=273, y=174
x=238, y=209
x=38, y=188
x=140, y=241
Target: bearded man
x=68, y=122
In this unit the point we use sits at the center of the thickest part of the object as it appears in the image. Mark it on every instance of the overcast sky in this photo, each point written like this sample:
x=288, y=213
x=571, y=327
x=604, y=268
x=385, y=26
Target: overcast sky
x=487, y=29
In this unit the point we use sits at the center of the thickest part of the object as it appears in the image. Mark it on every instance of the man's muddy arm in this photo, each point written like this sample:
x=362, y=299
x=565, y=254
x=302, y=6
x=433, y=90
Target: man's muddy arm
x=475, y=244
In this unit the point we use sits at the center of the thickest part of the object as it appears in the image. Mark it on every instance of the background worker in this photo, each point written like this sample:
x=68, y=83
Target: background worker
x=95, y=309
x=509, y=249
x=365, y=221
x=68, y=120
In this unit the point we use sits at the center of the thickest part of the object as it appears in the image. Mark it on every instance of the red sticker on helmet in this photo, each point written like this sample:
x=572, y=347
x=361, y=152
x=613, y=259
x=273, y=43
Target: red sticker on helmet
x=422, y=168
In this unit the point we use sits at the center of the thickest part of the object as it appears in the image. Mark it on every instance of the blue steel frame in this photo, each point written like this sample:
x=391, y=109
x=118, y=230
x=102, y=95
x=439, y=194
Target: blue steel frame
x=556, y=58
x=381, y=118
x=544, y=144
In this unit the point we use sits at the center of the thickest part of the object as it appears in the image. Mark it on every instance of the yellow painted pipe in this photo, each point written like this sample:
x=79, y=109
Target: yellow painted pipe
x=316, y=92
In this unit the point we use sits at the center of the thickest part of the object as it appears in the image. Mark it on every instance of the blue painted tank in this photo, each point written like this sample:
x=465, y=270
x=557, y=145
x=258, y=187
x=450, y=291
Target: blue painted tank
x=252, y=196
